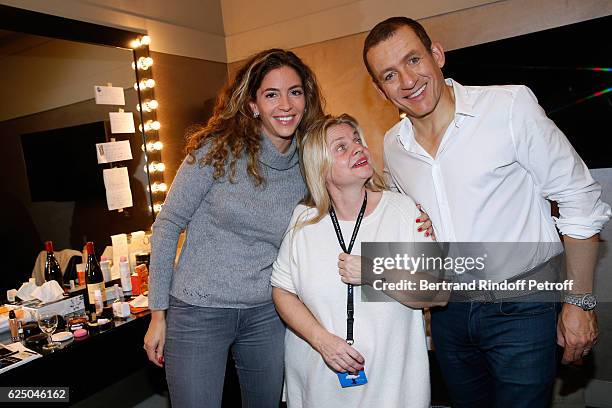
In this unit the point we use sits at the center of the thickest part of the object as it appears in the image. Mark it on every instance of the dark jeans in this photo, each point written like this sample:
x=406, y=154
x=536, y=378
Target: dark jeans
x=497, y=354
x=198, y=340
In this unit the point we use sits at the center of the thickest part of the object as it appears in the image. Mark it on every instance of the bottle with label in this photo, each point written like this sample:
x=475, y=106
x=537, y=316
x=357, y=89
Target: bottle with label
x=105, y=265
x=93, y=276
x=121, y=309
x=98, y=302
x=13, y=326
x=52, y=268
x=126, y=280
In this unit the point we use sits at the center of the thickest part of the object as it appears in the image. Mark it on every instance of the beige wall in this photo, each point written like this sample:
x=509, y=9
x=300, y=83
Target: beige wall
x=347, y=87
x=252, y=25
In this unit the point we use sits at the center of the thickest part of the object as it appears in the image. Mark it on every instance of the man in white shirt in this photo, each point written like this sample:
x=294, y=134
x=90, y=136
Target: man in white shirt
x=483, y=161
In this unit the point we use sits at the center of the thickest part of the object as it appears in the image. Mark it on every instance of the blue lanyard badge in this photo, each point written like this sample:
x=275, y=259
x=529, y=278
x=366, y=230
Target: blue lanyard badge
x=352, y=379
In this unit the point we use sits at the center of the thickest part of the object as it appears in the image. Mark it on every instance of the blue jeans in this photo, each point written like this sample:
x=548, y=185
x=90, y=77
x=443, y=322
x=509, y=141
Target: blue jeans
x=497, y=354
x=198, y=340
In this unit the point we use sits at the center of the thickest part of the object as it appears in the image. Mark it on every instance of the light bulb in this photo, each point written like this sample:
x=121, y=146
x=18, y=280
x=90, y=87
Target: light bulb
x=157, y=207
x=154, y=146
x=138, y=107
x=135, y=43
x=159, y=187
x=133, y=65
x=152, y=124
x=152, y=104
x=155, y=167
x=136, y=86
x=145, y=40
x=145, y=63
x=149, y=83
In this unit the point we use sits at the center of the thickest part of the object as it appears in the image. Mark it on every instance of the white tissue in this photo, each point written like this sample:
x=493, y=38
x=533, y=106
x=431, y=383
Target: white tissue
x=48, y=292
x=25, y=291
x=140, y=301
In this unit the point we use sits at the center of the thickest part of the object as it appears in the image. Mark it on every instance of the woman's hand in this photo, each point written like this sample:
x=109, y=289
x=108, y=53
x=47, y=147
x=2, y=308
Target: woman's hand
x=349, y=268
x=156, y=337
x=338, y=355
x=426, y=224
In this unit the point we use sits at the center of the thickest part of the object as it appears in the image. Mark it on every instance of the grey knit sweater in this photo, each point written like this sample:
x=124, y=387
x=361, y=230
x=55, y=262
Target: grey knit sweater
x=233, y=232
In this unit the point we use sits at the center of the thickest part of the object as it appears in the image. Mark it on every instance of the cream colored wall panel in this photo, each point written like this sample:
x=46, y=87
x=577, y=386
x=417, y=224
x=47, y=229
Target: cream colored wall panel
x=240, y=16
x=186, y=42
x=345, y=19
x=509, y=19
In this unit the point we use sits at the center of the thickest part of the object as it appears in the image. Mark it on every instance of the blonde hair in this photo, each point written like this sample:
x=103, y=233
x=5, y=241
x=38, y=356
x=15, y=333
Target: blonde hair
x=316, y=162
x=233, y=130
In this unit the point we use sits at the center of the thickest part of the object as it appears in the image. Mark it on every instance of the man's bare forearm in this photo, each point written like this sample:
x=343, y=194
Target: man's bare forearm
x=581, y=259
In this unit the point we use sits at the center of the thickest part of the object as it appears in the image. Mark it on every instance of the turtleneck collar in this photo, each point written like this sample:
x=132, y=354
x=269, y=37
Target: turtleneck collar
x=271, y=157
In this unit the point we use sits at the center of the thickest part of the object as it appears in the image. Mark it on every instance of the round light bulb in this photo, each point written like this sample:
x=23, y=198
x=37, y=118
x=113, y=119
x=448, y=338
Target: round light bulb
x=149, y=83
x=145, y=40
x=152, y=104
x=155, y=125
x=158, y=145
x=135, y=43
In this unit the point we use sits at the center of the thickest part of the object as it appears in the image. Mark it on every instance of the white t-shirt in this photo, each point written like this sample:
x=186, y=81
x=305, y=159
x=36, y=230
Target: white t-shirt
x=389, y=335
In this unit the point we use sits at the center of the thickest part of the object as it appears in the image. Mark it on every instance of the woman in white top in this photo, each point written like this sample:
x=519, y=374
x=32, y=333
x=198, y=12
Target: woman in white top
x=311, y=297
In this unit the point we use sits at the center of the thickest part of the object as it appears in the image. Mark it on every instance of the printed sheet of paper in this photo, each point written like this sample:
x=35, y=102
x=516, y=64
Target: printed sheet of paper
x=117, y=184
x=122, y=122
x=109, y=95
x=113, y=151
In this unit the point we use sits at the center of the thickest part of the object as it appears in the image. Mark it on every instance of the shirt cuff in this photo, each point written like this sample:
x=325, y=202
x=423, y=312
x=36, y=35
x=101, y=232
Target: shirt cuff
x=581, y=227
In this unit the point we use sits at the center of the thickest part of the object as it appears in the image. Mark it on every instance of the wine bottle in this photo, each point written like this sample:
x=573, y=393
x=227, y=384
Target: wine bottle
x=52, y=268
x=93, y=276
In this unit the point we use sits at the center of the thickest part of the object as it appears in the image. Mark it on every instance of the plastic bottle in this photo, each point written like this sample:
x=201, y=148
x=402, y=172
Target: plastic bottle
x=126, y=280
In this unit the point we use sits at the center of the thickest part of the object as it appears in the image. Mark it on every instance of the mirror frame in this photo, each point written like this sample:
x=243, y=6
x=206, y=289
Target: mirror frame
x=31, y=22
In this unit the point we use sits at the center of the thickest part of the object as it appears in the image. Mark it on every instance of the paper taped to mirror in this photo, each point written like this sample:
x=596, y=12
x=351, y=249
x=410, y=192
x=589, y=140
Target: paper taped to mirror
x=113, y=151
x=117, y=184
x=122, y=122
x=109, y=95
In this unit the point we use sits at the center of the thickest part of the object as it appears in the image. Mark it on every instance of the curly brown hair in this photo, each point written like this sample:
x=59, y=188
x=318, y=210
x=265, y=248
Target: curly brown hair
x=232, y=127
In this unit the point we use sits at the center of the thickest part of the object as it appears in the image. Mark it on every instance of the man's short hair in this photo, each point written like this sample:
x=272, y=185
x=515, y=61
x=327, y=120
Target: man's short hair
x=385, y=30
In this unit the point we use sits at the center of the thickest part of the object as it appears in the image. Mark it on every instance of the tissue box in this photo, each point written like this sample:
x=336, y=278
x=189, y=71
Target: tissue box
x=64, y=307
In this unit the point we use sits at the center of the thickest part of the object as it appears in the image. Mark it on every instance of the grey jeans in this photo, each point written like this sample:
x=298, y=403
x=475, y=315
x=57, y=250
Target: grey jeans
x=198, y=340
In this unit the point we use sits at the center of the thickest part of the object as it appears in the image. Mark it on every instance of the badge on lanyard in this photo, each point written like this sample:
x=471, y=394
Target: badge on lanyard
x=359, y=378
x=352, y=379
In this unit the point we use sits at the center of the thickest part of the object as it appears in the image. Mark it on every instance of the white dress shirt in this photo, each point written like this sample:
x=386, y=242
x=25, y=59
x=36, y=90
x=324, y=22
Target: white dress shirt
x=498, y=163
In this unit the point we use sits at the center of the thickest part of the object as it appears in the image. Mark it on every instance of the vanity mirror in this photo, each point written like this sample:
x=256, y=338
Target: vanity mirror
x=51, y=183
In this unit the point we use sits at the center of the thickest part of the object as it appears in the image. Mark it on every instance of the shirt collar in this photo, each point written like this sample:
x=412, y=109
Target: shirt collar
x=463, y=107
x=464, y=104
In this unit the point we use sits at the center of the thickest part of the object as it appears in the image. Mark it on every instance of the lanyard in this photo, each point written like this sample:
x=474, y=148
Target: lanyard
x=350, y=310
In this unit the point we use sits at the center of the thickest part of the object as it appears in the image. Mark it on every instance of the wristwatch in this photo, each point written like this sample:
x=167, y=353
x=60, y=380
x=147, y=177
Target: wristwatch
x=586, y=302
